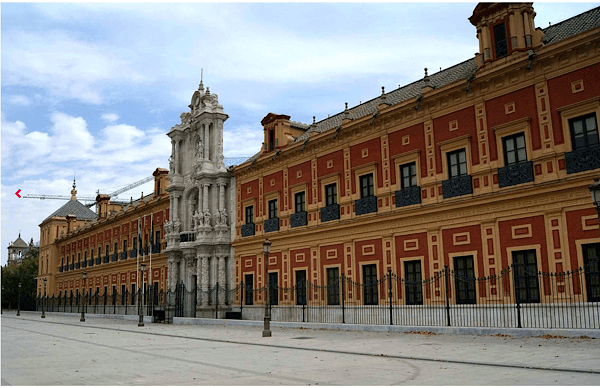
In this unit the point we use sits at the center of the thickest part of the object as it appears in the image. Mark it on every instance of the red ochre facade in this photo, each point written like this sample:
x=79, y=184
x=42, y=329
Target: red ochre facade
x=553, y=214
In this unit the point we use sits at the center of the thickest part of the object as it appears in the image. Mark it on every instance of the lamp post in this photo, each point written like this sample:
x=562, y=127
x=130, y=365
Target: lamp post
x=141, y=309
x=84, y=276
x=267, y=328
x=44, y=300
x=19, y=304
x=595, y=192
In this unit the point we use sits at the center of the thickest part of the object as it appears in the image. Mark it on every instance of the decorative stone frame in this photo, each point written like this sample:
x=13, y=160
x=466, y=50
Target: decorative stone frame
x=327, y=180
x=400, y=269
x=538, y=257
x=298, y=188
x=581, y=108
x=245, y=204
x=369, y=168
x=269, y=197
x=450, y=145
x=579, y=249
x=361, y=280
x=512, y=128
x=407, y=157
x=324, y=268
x=451, y=256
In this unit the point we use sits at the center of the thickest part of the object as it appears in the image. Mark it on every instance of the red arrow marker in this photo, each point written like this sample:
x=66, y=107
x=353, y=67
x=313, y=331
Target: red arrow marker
x=17, y=193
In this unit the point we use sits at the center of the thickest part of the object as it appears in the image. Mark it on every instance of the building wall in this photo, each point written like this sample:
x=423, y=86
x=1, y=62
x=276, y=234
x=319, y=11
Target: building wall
x=72, y=248
x=552, y=214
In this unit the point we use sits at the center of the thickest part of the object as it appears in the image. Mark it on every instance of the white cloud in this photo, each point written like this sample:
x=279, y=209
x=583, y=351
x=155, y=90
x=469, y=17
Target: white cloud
x=110, y=117
x=18, y=99
x=242, y=141
x=63, y=65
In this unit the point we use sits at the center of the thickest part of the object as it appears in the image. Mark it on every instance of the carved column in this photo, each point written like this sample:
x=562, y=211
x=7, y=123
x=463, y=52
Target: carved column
x=199, y=275
x=222, y=280
x=189, y=215
x=171, y=275
x=205, y=280
x=176, y=157
x=200, y=196
x=206, y=142
x=221, y=196
x=205, y=197
x=175, y=212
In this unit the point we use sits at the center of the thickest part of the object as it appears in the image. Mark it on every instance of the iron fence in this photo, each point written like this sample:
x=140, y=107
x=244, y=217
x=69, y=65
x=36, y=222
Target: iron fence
x=516, y=297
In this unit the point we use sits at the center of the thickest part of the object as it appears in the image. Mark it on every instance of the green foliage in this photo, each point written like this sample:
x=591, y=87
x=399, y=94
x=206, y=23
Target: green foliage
x=26, y=274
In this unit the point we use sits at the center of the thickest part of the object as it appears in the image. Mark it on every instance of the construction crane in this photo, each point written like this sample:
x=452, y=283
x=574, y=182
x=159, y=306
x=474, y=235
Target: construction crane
x=113, y=195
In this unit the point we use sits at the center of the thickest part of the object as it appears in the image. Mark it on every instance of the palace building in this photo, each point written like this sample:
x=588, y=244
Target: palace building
x=74, y=240
x=477, y=167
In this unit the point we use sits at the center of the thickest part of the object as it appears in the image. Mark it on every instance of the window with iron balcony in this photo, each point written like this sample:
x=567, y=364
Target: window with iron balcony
x=248, y=228
x=331, y=211
x=368, y=201
x=517, y=169
x=409, y=193
x=459, y=182
x=299, y=218
x=586, y=148
x=272, y=224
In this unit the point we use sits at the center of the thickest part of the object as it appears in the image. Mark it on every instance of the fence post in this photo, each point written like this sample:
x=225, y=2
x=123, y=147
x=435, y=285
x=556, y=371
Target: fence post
x=343, y=300
x=390, y=294
x=241, y=298
x=447, y=296
x=217, y=301
x=517, y=296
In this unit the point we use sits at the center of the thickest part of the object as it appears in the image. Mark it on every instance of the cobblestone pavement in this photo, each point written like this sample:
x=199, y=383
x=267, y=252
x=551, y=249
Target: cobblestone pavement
x=59, y=350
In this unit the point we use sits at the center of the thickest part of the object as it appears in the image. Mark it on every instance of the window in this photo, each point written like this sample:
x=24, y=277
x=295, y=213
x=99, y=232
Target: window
x=106, y=249
x=366, y=186
x=271, y=140
x=414, y=291
x=273, y=208
x=591, y=267
x=300, y=202
x=300, y=287
x=370, y=284
x=273, y=288
x=249, y=286
x=584, y=131
x=157, y=239
x=123, y=296
x=500, y=43
x=116, y=247
x=331, y=194
x=514, y=149
x=464, y=279
x=526, y=281
x=408, y=175
x=457, y=163
x=333, y=286
x=124, y=245
x=85, y=256
x=249, y=215
x=133, y=294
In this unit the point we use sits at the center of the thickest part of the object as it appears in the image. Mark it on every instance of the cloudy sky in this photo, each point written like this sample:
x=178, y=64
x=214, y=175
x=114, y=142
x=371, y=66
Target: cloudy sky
x=92, y=89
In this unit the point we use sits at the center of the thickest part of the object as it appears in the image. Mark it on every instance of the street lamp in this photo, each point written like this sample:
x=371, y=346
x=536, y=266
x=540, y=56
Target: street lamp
x=267, y=328
x=19, y=304
x=82, y=319
x=141, y=309
x=595, y=192
x=44, y=300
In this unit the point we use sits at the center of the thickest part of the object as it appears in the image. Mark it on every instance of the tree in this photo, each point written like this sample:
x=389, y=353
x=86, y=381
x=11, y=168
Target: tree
x=26, y=274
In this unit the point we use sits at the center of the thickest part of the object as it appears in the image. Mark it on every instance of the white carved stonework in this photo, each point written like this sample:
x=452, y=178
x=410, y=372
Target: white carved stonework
x=201, y=194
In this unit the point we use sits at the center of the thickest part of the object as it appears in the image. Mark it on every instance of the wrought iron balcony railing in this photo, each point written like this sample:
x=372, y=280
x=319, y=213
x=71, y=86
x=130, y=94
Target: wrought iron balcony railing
x=60, y=269
x=298, y=219
x=106, y=259
x=84, y=264
x=91, y=262
x=133, y=253
x=248, y=229
x=114, y=257
x=185, y=237
x=272, y=225
x=66, y=268
x=515, y=174
x=330, y=213
x=583, y=159
x=366, y=205
x=76, y=265
x=458, y=186
x=155, y=248
x=98, y=259
x=71, y=267
x=408, y=196
x=123, y=255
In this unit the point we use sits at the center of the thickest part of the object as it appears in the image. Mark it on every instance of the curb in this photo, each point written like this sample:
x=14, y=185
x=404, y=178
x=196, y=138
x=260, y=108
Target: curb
x=513, y=332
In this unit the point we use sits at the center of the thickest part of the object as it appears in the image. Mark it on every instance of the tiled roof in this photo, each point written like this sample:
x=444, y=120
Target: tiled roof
x=573, y=26
x=18, y=243
x=461, y=71
x=76, y=208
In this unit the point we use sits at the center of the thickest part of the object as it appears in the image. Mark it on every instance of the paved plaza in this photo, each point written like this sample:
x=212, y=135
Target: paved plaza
x=59, y=350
